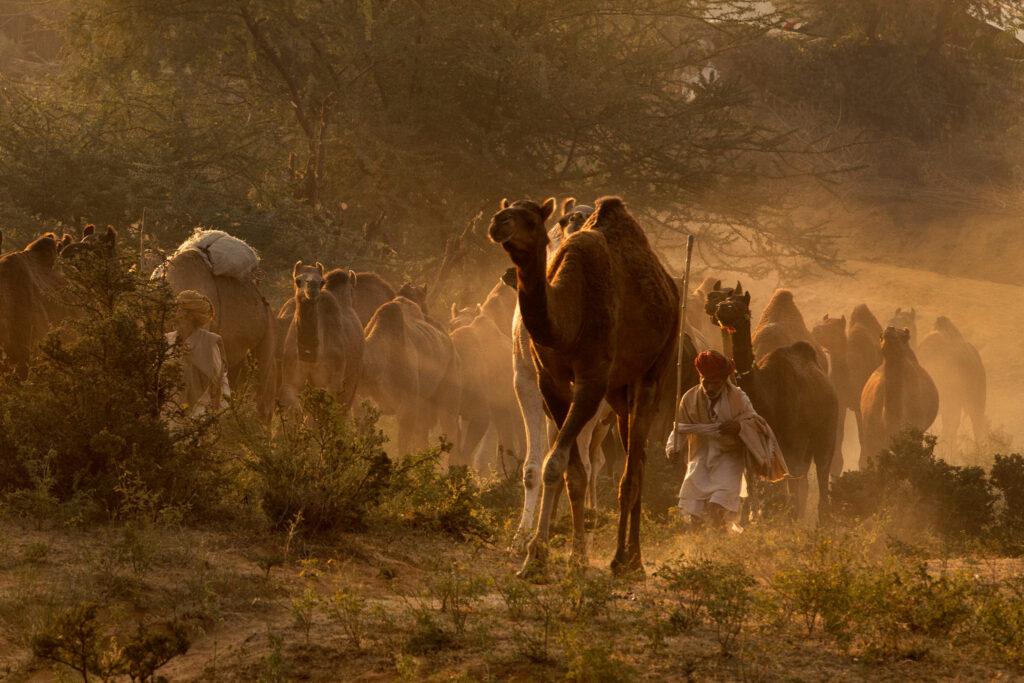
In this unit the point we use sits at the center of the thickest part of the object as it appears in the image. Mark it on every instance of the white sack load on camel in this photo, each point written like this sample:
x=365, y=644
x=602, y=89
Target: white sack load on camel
x=226, y=255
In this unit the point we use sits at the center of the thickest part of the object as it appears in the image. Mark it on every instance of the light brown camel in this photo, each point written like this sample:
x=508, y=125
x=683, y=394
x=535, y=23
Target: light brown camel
x=830, y=335
x=28, y=281
x=488, y=402
x=789, y=388
x=242, y=317
x=782, y=324
x=323, y=344
x=899, y=393
x=863, y=356
x=411, y=369
x=603, y=320
x=956, y=367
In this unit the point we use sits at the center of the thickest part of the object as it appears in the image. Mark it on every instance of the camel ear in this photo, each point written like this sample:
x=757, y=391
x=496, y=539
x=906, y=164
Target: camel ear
x=843, y=320
x=739, y=290
x=88, y=230
x=320, y=268
x=548, y=208
x=746, y=297
x=509, y=278
x=295, y=268
x=567, y=205
x=718, y=286
x=504, y=203
x=913, y=313
x=905, y=333
x=352, y=276
x=824, y=318
x=479, y=309
x=455, y=310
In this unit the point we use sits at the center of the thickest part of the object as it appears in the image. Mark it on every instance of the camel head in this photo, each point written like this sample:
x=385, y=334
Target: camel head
x=906, y=320
x=519, y=227
x=717, y=294
x=895, y=341
x=573, y=216
x=416, y=294
x=733, y=312
x=830, y=333
x=308, y=281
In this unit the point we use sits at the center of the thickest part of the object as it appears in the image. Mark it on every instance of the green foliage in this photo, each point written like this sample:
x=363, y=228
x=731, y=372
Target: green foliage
x=923, y=493
x=74, y=639
x=442, y=500
x=1002, y=618
x=723, y=591
x=96, y=414
x=349, y=610
x=818, y=586
x=457, y=592
x=321, y=465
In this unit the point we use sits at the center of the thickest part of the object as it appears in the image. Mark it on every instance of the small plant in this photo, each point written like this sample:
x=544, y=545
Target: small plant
x=595, y=662
x=457, y=593
x=273, y=668
x=303, y=609
x=427, y=635
x=349, y=610
x=1002, y=618
x=589, y=594
x=36, y=552
x=723, y=590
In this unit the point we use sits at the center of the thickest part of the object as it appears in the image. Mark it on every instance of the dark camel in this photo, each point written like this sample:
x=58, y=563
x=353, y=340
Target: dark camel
x=830, y=334
x=906, y=319
x=782, y=324
x=603, y=320
x=323, y=341
x=899, y=393
x=790, y=390
x=956, y=367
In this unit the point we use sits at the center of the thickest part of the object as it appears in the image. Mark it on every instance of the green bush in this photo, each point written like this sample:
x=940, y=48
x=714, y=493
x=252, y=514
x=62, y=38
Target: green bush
x=321, y=466
x=97, y=401
x=723, y=591
x=922, y=492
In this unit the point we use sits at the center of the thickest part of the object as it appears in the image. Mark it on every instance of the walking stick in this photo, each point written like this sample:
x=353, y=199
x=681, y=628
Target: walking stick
x=685, y=295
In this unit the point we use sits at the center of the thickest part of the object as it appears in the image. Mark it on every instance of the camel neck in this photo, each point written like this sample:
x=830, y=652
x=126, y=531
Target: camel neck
x=306, y=328
x=533, y=290
x=895, y=375
x=743, y=350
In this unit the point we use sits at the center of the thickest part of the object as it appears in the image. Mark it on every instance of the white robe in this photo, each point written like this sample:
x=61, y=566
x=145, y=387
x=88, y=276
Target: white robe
x=717, y=464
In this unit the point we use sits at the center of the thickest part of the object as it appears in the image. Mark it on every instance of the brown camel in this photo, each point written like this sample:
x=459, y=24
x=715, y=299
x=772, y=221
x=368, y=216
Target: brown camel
x=323, y=344
x=863, y=356
x=488, y=398
x=603, y=320
x=28, y=279
x=830, y=335
x=899, y=393
x=411, y=369
x=789, y=388
x=906, y=319
x=711, y=294
x=242, y=317
x=369, y=292
x=91, y=239
x=956, y=367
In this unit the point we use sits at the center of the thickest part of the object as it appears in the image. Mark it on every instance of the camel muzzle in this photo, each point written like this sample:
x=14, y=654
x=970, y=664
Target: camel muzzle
x=501, y=232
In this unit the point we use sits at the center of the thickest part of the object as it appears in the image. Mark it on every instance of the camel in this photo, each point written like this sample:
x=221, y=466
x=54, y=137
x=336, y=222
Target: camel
x=242, y=317
x=899, y=393
x=830, y=335
x=323, y=344
x=91, y=239
x=369, y=292
x=789, y=388
x=856, y=359
x=906, y=319
x=782, y=324
x=411, y=369
x=603, y=320
x=959, y=375
x=28, y=279
x=700, y=312
x=530, y=399
x=488, y=397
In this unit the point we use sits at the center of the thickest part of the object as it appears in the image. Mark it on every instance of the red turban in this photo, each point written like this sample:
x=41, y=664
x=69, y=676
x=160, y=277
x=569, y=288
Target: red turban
x=713, y=365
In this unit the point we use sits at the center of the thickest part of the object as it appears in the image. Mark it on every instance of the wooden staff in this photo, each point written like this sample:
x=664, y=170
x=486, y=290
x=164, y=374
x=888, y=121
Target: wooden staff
x=685, y=295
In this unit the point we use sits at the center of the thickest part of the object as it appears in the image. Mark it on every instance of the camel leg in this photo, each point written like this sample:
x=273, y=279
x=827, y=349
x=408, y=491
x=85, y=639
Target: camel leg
x=531, y=404
x=266, y=371
x=951, y=427
x=979, y=425
x=836, y=470
x=585, y=443
x=597, y=460
x=572, y=417
x=860, y=437
x=472, y=436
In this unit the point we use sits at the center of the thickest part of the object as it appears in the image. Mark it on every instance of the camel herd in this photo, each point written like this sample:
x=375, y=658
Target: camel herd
x=579, y=334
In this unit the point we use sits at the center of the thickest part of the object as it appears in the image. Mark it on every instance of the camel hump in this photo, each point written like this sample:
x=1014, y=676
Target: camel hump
x=44, y=248
x=802, y=349
x=338, y=279
x=609, y=208
x=946, y=326
x=388, y=318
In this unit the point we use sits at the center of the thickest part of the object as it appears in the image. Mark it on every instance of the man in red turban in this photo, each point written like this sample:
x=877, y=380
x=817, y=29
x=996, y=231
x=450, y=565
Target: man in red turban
x=709, y=414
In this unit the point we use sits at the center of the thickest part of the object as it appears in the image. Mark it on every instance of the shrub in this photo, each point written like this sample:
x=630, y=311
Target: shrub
x=1002, y=619
x=457, y=592
x=321, y=466
x=97, y=400
x=722, y=590
x=923, y=493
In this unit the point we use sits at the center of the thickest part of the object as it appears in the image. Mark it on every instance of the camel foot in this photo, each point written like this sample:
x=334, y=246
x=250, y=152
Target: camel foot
x=578, y=559
x=627, y=566
x=519, y=543
x=536, y=563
